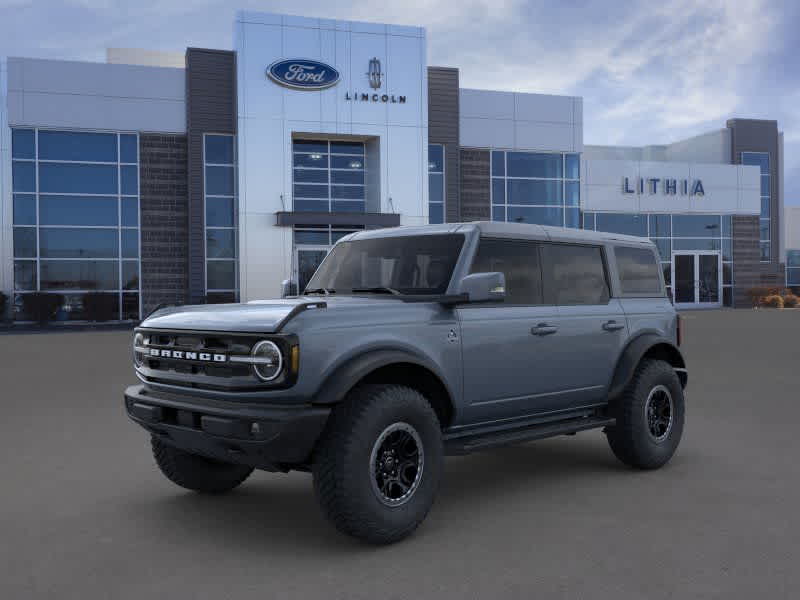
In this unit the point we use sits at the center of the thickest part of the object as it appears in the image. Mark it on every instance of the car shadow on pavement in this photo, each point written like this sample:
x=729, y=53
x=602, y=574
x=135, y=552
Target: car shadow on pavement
x=279, y=513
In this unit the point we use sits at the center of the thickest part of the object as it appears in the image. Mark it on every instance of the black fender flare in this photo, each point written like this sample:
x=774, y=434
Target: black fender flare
x=334, y=388
x=634, y=352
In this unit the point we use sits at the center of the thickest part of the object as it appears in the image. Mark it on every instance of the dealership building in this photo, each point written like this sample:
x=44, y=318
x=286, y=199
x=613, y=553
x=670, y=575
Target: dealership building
x=213, y=175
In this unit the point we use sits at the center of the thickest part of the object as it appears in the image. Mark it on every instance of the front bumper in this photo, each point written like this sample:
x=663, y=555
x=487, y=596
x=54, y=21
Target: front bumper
x=273, y=438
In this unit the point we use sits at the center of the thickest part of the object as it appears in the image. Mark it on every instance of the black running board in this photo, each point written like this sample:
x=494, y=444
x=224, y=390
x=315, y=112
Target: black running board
x=478, y=441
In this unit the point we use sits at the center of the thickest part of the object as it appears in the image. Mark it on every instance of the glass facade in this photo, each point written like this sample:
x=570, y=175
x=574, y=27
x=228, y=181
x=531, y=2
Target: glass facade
x=536, y=187
x=793, y=268
x=328, y=176
x=761, y=160
x=219, y=159
x=436, y=183
x=674, y=232
x=312, y=244
x=76, y=219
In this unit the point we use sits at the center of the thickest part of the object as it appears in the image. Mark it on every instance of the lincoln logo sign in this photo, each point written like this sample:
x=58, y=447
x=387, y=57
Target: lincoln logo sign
x=302, y=74
x=669, y=187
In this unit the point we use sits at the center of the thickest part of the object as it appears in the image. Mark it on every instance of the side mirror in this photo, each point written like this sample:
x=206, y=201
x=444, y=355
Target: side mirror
x=483, y=287
x=288, y=288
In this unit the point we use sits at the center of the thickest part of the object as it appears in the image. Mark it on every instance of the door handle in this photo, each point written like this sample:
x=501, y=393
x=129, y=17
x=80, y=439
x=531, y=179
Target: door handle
x=612, y=325
x=543, y=329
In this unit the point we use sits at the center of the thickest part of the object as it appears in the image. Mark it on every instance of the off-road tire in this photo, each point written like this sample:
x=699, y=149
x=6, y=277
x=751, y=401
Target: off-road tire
x=630, y=438
x=195, y=472
x=343, y=465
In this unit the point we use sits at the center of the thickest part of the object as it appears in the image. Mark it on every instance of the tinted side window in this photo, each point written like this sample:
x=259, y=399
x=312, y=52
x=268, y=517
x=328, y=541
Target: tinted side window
x=519, y=262
x=638, y=271
x=574, y=275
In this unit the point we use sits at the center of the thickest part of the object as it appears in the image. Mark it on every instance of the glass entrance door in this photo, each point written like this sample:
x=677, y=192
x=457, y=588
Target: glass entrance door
x=307, y=261
x=697, y=279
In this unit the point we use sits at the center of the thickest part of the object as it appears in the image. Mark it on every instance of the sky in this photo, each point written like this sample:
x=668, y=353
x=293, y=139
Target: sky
x=649, y=72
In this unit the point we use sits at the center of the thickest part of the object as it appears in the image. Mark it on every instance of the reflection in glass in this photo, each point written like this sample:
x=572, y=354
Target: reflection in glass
x=25, y=242
x=55, y=242
x=219, y=181
x=24, y=209
x=80, y=275
x=220, y=243
x=221, y=274
x=78, y=146
x=77, y=210
x=23, y=143
x=66, y=178
x=532, y=164
x=24, y=275
x=531, y=191
x=684, y=278
x=219, y=212
x=219, y=149
x=708, y=275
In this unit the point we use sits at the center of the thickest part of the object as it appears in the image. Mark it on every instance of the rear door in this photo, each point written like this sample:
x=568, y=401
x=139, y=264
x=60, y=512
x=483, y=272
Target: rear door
x=591, y=325
x=508, y=350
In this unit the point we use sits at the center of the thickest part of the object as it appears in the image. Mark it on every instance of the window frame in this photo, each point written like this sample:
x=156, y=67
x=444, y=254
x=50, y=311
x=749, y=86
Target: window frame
x=659, y=269
x=509, y=240
x=603, y=259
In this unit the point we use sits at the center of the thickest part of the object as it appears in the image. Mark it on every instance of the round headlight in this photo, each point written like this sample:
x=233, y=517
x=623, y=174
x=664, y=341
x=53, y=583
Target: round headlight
x=268, y=361
x=138, y=342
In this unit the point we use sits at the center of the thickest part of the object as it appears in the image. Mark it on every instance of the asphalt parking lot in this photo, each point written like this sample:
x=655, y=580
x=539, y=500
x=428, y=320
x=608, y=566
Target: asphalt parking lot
x=85, y=514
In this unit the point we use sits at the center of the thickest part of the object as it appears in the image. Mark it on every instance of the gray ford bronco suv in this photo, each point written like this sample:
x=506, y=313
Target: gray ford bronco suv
x=409, y=344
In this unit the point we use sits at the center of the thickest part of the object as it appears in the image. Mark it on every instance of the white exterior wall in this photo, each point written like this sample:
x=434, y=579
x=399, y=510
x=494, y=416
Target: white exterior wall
x=791, y=228
x=6, y=205
x=729, y=189
x=519, y=121
x=713, y=147
x=82, y=95
x=270, y=114
x=148, y=58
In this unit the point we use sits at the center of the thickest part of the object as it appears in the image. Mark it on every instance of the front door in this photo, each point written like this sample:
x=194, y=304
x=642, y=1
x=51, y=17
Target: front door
x=697, y=279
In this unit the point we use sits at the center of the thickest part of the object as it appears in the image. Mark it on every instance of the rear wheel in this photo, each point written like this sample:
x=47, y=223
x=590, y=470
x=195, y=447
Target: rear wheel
x=195, y=472
x=650, y=416
x=378, y=464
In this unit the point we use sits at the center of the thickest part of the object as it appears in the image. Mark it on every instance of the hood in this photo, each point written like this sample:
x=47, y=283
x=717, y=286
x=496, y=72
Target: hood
x=258, y=316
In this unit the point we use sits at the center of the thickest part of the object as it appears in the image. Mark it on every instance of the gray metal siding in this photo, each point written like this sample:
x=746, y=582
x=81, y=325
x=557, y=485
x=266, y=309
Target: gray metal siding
x=210, y=108
x=443, y=128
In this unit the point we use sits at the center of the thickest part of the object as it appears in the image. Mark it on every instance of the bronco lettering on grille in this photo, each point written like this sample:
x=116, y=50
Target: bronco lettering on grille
x=180, y=354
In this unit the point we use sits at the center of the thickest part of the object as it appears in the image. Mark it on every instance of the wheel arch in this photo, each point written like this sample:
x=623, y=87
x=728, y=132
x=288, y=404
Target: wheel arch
x=646, y=346
x=390, y=366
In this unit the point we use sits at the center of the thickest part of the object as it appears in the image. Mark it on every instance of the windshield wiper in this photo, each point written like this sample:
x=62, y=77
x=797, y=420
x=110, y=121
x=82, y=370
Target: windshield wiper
x=377, y=290
x=320, y=290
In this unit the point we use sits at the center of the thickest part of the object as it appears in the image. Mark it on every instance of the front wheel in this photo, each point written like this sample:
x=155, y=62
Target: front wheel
x=378, y=464
x=650, y=415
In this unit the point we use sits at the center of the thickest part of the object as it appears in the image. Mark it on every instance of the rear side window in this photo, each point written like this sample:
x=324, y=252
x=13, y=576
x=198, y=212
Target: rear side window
x=638, y=271
x=574, y=275
x=519, y=262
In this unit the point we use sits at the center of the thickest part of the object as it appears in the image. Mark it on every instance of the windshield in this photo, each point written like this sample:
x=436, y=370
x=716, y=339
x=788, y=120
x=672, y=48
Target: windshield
x=419, y=264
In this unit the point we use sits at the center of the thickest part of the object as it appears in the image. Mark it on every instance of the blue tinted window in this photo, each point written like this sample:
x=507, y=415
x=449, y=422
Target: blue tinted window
x=73, y=145
x=766, y=251
x=221, y=274
x=348, y=206
x=128, y=149
x=696, y=244
x=588, y=221
x=320, y=161
x=793, y=277
x=347, y=192
x=347, y=148
x=24, y=209
x=77, y=210
x=25, y=242
x=337, y=235
x=765, y=185
x=129, y=180
x=219, y=212
x=573, y=166
x=436, y=187
x=310, y=146
x=664, y=248
x=220, y=243
x=727, y=249
x=793, y=258
x=337, y=162
x=498, y=191
x=696, y=225
x=316, y=238
x=311, y=205
x=24, y=275
x=310, y=191
x=759, y=159
x=572, y=189
x=628, y=224
x=130, y=243
x=130, y=212
x=356, y=177
x=77, y=179
x=436, y=213
x=219, y=181
x=524, y=191
x=78, y=243
x=660, y=226
x=765, y=207
x=314, y=175
x=498, y=163
x=219, y=149
x=435, y=158
x=498, y=213
x=726, y=226
x=130, y=275
x=23, y=143
x=530, y=164
x=538, y=215
x=23, y=176
x=572, y=217
x=80, y=275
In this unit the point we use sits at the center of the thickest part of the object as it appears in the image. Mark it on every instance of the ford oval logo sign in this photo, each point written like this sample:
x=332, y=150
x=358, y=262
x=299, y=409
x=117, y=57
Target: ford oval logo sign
x=303, y=74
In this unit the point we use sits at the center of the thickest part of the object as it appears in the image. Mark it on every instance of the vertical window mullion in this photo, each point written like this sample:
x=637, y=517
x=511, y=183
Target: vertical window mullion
x=119, y=230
